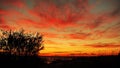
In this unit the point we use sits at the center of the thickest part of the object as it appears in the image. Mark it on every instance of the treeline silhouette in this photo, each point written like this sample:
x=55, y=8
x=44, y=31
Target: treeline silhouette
x=20, y=43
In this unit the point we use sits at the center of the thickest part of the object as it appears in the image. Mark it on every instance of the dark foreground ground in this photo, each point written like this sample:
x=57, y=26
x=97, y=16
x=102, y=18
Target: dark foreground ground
x=7, y=61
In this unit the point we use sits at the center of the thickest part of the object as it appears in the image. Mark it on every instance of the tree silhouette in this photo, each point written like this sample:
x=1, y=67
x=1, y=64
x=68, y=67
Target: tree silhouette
x=20, y=43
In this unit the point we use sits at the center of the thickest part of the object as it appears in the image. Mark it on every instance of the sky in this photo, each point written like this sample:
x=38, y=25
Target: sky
x=69, y=27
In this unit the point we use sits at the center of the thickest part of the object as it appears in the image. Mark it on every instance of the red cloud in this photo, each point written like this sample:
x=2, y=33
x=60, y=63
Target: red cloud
x=4, y=27
x=2, y=12
x=63, y=15
x=59, y=15
x=2, y=21
x=3, y=24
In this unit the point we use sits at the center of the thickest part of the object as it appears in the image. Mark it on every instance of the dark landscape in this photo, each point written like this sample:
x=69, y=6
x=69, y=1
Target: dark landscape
x=59, y=61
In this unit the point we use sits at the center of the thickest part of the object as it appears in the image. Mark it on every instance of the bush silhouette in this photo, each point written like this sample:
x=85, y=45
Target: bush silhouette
x=20, y=43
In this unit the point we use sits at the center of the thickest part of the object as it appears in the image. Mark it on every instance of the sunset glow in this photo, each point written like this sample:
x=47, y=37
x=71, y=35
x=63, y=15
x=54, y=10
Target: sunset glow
x=69, y=27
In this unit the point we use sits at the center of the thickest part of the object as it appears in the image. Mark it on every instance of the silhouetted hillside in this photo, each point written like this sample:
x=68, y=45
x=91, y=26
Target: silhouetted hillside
x=59, y=62
x=11, y=61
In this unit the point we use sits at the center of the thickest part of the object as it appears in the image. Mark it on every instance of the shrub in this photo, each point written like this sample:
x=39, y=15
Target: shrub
x=20, y=43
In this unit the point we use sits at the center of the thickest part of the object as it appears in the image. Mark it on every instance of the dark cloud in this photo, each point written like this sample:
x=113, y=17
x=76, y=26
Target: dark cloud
x=116, y=11
x=7, y=4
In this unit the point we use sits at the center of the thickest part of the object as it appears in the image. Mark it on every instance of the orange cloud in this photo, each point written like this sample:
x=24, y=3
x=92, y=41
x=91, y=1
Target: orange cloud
x=110, y=32
x=104, y=45
x=51, y=42
x=77, y=36
x=50, y=35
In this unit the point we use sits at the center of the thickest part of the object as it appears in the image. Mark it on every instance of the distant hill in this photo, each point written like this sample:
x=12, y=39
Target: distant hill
x=12, y=61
